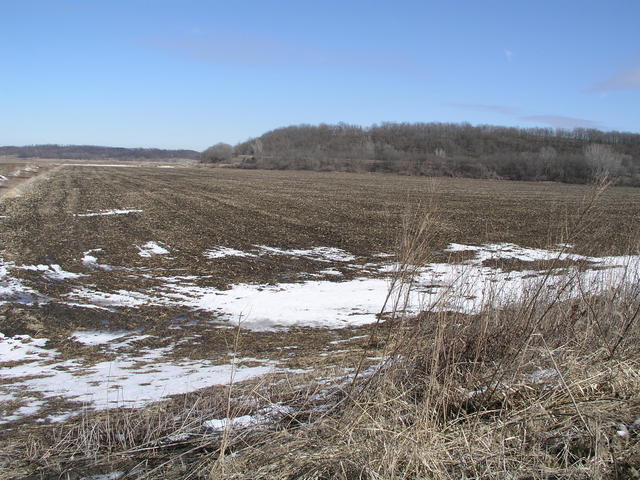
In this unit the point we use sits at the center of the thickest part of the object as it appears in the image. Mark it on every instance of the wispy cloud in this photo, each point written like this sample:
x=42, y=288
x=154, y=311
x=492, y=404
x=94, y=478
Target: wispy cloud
x=560, y=121
x=627, y=80
x=256, y=50
x=508, y=54
x=517, y=113
x=481, y=107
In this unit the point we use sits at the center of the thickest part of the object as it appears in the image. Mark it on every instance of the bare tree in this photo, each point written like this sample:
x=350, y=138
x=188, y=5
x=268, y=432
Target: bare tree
x=602, y=159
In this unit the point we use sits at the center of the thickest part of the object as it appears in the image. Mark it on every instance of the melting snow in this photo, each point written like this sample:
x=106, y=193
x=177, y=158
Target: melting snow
x=97, y=165
x=107, y=212
x=52, y=272
x=22, y=347
x=313, y=303
x=320, y=254
x=465, y=287
x=12, y=289
x=330, y=271
x=151, y=248
x=135, y=380
x=128, y=381
x=96, y=337
x=91, y=261
x=268, y=414
x=223, y=252
x=510, y=251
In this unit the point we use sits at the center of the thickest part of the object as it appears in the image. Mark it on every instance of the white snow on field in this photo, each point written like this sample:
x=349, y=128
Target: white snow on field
x=19, y=171
x=223, y=252
x=268, y=414
x=12, y=289
x=151, y=248
x=107, y=212
x=509, y=251
x=120, y=298
x=22, y=347
x=320, y=254
x=384, y=255
x=97, y=337
x=118, y=165
x=166, y=166
x=330, y=271
x=30, y=409
x=91, y=261
x=128, y=381
x=465, y=287
x=52, y=272
x=133, y=380
x=313, y=303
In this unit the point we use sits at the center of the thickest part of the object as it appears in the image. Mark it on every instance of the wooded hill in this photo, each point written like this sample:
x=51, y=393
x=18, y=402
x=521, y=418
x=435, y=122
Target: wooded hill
x=445, y=149
x=92, y=152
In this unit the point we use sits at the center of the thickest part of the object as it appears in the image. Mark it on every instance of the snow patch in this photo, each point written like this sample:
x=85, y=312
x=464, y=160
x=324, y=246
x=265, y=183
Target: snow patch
x=105, y=476
x=320, y=254
x=96, y=337
x=52, y=272
x=12, y=289
x=91, y=261
x=22, y=347
x=466, y=287
x=128, y=381
x=151, y=248
x=223, y=252
x=107, y=212
x=116, y=165
x=266, y=415
x=510, y=251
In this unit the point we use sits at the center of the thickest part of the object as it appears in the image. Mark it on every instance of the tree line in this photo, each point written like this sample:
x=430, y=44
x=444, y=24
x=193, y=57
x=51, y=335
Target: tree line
x=93, y=152
x=443, y=149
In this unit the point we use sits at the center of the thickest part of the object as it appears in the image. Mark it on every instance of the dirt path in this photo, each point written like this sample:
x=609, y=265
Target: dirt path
x=18, y=186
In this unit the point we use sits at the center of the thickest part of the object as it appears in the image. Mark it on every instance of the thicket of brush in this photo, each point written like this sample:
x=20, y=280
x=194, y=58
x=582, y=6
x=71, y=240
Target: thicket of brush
x=546, y=388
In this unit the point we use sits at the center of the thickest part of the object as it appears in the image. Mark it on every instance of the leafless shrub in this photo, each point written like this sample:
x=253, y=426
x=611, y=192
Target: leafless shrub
x=602, y=159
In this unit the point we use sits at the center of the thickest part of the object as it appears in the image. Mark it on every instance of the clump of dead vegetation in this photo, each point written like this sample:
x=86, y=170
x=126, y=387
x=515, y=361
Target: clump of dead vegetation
x=547, y=388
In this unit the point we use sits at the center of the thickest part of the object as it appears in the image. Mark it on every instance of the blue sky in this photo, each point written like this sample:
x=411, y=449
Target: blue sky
x=188, y=74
